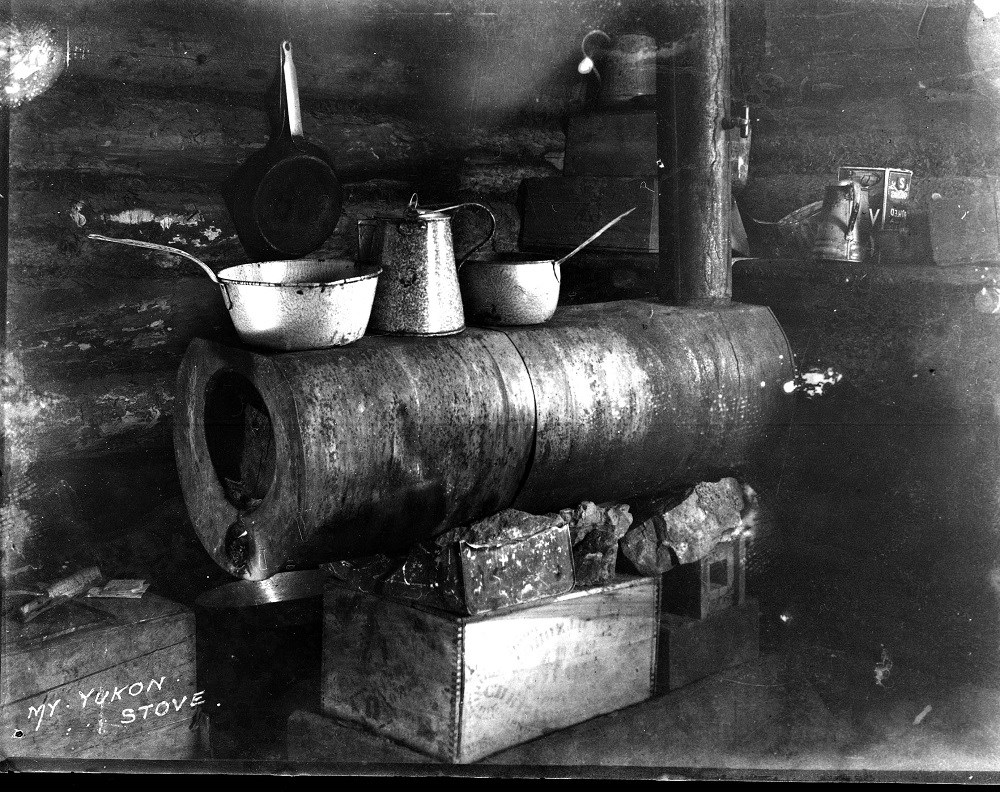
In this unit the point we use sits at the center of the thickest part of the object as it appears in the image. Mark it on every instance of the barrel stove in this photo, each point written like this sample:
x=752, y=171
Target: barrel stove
x=302, y=457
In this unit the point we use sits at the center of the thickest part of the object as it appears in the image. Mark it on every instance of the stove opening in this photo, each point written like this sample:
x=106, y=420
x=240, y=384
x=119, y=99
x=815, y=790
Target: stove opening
x=240, y=439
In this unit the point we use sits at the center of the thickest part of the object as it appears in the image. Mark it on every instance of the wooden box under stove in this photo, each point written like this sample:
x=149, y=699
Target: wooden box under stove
x=459, y=688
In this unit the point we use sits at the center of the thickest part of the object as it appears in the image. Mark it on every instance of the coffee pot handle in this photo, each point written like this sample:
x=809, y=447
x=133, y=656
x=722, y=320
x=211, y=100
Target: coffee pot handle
x=855, y=208
x=487, y=238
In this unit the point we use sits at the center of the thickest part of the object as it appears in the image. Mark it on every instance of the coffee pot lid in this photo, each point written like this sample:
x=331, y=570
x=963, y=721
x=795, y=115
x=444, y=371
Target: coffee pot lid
x=414, y=211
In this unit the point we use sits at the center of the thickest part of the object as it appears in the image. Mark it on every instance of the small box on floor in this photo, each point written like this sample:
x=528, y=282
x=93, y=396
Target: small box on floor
x=101, y=679
x=712, y=584
x=692, y=649
x=459, y=688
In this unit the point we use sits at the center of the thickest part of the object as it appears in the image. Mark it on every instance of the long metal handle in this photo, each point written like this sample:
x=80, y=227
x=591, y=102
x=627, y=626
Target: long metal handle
x=855, y=208
x=291, y=90
x=162, y=249
x=594, y=236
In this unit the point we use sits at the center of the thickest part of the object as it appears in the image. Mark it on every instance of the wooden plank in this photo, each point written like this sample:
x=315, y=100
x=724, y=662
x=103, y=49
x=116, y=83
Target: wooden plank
x=107, y=414
x=889, y=27
x=563, y=662
x=138, y=626
x=686, y=727
x=49, y=244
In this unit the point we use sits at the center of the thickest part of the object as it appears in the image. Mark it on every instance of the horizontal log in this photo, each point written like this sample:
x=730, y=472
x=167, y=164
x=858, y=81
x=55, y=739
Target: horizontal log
x=101, y=414
x=92, y=366
x=905, y=133
x=118, y=129
x=99, y=319
x=873, y=27
x=465, y=56
x=95, y=129
x=874, y=49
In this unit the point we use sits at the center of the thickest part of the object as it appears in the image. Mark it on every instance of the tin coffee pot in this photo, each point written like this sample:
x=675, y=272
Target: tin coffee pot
x=844, y=228
x=418, y=291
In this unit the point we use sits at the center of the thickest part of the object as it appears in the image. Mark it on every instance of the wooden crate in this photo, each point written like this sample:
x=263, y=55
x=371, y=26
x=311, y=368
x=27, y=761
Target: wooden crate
x=460, y=688
x=611, y=144
x=966, y=230
x=112, y=680
x=712, y=584
x=692, y=649
x=560, y=212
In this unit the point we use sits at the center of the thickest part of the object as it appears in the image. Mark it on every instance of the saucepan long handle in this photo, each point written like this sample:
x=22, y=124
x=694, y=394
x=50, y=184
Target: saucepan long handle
x=594, y=236
x=162, y=249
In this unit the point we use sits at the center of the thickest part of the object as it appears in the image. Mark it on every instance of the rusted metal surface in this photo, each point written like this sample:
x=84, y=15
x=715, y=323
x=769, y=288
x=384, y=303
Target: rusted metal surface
x=393, y=440
x=633, y=397
x=694, y=217
x=375, y=446
x=497, y=575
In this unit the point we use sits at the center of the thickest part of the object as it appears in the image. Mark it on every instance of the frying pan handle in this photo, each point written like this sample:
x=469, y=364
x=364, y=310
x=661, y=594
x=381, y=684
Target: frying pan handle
x=291, y=90
x=485, y=239
x=163, y=249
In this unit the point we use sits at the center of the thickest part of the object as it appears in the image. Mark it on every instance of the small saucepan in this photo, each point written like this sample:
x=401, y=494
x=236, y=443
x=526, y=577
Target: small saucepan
x=290, y=305
x=512, y=289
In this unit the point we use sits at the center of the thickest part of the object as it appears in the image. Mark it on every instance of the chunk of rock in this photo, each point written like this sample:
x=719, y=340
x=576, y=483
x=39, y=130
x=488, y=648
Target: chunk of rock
x=596, y=531
x=645, y=550
x=507, y=526
x=712, y=512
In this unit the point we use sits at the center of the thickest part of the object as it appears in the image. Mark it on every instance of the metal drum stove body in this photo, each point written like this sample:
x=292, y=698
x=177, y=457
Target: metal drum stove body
x=303, y=457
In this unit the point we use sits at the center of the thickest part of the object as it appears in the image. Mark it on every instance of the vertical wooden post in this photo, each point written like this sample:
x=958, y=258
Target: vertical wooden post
x=695, y=261
x=4, y=251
